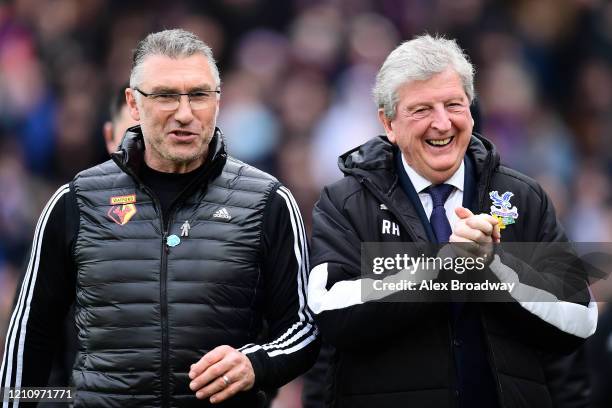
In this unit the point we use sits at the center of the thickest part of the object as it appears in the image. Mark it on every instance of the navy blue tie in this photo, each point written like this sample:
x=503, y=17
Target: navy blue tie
x=438, y=220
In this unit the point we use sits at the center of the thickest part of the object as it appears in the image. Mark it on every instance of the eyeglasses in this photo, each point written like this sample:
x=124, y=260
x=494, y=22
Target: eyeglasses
x=171, y=101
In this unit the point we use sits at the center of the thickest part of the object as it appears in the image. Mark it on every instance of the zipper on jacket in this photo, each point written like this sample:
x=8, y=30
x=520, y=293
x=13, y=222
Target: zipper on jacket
x=163, y=299
x=163, y=296
x=163, y=287
x=165, y=250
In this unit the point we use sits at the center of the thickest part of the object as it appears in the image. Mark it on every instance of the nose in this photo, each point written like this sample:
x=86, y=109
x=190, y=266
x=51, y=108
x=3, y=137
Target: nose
x=183, y=113
x=441, y=119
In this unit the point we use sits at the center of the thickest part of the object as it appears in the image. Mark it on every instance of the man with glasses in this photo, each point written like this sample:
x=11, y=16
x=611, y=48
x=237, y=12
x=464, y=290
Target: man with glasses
x=175, y=255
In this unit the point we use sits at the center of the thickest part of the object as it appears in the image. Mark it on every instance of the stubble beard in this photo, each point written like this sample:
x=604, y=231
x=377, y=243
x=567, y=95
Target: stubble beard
x=190, y=156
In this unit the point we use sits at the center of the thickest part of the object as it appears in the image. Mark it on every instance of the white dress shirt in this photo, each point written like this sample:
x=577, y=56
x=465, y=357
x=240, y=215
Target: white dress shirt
x=455, y=199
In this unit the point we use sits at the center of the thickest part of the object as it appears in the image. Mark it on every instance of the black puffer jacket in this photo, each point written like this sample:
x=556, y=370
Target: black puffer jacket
x=167, y=305
x=152, y=299
x=402, y=354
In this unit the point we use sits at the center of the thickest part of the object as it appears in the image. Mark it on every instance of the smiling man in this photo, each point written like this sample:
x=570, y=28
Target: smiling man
x=430, y=179
x=175, y=254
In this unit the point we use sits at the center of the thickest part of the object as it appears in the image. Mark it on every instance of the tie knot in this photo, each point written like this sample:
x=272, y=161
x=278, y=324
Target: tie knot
x=439, y=193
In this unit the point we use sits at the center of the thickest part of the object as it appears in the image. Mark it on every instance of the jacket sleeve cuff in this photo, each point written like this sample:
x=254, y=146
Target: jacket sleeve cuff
x=258, y=361
x=572, y=318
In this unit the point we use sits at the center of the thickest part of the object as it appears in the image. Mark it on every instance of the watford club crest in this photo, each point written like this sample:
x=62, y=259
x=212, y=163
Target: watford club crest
x=123, y=208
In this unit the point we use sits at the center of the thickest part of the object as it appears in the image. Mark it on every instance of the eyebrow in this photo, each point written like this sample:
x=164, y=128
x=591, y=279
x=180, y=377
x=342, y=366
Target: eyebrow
x=165, y=89
x=417, y=105
x=454, y=98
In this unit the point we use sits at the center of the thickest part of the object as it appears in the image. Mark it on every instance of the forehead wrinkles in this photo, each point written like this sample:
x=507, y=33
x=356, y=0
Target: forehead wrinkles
x=434, y=100
x=158, y=70
x=423, y=93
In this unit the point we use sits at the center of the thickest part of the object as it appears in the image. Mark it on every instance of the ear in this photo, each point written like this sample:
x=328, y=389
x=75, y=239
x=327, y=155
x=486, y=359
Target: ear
x=130, y=97
x=108, y=137
x=218, y=107
x=387, y=124
x=469, y=113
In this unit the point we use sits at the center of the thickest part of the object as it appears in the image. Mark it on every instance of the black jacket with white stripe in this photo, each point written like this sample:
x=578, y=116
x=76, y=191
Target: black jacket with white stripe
x=402, y=354
x=146, y=307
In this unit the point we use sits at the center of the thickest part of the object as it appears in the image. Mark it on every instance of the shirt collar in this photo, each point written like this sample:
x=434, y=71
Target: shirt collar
x=420, y=183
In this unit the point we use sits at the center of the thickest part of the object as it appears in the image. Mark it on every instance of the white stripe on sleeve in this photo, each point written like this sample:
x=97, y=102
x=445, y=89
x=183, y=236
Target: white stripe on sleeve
x=347, y=293
x=569, y=317
x=303, y=332
x=341, y=295
x=19, y=320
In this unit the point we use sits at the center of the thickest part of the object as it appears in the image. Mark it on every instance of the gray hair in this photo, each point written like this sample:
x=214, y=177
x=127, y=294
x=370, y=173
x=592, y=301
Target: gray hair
x=420, y=59
x=175, y=43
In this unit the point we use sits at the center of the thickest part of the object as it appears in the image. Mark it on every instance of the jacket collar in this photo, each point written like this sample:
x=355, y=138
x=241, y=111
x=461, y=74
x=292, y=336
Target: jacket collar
x=375, y=160
x=373, y=164
x=130, y=155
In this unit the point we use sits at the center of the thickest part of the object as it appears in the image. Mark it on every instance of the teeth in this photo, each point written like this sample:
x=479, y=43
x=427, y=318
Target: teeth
x=442, y=142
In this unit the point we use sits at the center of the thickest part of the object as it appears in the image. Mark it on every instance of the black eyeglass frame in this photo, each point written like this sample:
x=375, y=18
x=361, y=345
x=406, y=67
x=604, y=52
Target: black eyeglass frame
x=188, y=94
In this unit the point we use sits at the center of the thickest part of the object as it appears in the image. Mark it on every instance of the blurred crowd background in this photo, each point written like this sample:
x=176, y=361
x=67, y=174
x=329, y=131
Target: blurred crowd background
x=296, y=92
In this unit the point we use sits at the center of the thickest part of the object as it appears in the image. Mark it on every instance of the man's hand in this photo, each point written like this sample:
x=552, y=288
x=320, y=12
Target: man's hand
x=481, y=230
x=220, y=374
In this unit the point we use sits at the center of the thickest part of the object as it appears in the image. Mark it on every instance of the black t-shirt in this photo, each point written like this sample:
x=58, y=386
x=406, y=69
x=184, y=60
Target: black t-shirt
x=168, y=186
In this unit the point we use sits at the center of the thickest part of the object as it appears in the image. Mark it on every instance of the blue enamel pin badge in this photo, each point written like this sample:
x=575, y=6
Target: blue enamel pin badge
x=173, y=240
